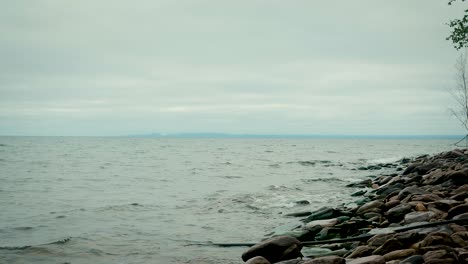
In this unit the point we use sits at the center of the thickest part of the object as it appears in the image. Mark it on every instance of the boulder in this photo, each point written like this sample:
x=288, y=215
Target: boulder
x=275, y=249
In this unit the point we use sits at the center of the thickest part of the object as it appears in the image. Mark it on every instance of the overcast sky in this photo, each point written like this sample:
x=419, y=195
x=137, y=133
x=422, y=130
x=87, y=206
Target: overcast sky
x=114, y=67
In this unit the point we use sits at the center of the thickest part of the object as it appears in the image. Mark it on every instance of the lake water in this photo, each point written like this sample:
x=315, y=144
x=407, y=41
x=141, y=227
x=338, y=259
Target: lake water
x=148, y=200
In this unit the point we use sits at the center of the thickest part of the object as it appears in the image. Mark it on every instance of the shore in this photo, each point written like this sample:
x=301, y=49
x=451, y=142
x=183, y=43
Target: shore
x=416, y=215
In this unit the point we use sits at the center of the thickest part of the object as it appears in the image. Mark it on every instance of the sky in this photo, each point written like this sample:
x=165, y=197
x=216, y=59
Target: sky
x=114, y=67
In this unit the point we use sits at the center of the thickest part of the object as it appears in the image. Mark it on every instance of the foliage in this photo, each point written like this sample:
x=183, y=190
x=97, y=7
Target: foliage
x=459, y=34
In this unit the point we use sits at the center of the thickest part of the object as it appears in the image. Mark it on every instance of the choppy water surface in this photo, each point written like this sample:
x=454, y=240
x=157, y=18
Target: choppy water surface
x=144, y=200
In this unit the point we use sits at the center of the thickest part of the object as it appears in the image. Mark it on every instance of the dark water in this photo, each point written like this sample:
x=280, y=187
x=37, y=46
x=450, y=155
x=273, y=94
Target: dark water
x=143, y=200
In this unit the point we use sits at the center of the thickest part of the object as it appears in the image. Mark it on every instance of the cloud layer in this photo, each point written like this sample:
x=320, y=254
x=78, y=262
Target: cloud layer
x=260, y=67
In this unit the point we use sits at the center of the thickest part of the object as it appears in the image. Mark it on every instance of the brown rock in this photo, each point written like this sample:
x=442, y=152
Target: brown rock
x=258, y=260
x=275, y=249
x=461, y=189
x=438, y=256
x=410, y=190
x=457, y=228
x=459, y=177
x=399, y=254
x=392, y=203
x=459, y=239
x=434, y=177
x=426, y=197
x=446, y=204
x=379, y=240
x=361, y=251
x=398, y=212
x=374, y=259
x=418, y=217
x=420, y=207
x=326, y=260
x=389, y=245
x=437, y=238
x=369, y=206
x=460, y=196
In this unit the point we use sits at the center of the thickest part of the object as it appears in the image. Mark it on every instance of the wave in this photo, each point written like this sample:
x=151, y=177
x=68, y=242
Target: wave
x=332, y=179
x=38, y=247
x=325, y=163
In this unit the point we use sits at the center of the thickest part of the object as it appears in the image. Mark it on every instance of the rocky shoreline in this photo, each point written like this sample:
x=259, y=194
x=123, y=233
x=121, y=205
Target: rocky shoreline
x=416, y=215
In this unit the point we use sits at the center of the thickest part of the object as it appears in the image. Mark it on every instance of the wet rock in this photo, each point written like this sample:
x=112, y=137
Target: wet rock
x=414, y=217
x=275, y=249
x=315, y=252
x=258, y=260
x=416, y=259
x=326, y=260
x=328, y=233
x=359, y=193
x=322, y=223
x=399, y=254
x=299, y=214
x=374, y=259
x=361, y=184
x=386, y=190
x=388, y=246
x=398, y=212
x=322, y=213
x=372, y=215
x=302, y=202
